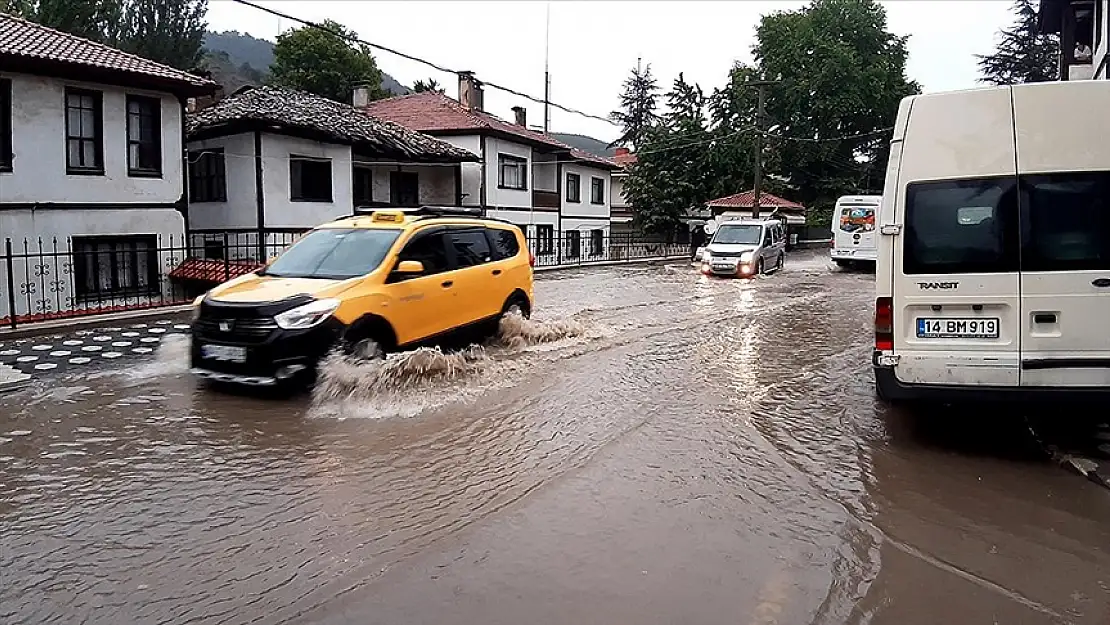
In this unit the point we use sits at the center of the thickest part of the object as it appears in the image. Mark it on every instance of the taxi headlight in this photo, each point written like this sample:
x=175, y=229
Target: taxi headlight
x=194, y=313
x=306, y=316
x=746, y=257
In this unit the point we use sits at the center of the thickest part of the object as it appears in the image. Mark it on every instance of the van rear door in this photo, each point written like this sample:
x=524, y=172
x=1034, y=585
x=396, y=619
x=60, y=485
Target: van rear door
x=854, y=228
x=1064, y=168
x=956, y=303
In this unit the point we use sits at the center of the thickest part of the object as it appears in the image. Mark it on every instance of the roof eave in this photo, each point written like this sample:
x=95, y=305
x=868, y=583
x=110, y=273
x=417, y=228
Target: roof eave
x=18, y=63
x=244, y=124
x=493, y=132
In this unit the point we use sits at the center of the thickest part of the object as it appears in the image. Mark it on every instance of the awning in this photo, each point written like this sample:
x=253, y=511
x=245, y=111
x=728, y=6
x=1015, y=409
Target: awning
x=212, y=270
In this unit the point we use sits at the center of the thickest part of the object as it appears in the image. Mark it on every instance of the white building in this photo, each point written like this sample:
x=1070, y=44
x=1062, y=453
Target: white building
x=274, y=162
x=1084, y=30
x=92, y=175
x=622, y=216
x=552, y=191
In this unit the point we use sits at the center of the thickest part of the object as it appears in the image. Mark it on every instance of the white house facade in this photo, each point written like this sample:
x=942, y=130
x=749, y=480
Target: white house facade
x=522, y=176
x=92, y=174
x=268, y=163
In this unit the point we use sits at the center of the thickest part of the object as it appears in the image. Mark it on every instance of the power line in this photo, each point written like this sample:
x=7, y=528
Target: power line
x=422, y=61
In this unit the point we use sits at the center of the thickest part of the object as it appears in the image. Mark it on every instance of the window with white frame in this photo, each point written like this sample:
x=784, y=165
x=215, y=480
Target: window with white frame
x=597, y=191
x=512, y=172
x=309, y=179
x=115, y=266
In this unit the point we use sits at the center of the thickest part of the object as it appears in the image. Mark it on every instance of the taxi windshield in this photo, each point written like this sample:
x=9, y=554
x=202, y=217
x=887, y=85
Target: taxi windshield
x=738, y=234
x=332, y=253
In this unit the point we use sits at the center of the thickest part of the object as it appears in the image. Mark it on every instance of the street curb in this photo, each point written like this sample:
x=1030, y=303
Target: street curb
x=610, y=263
x=64, y=325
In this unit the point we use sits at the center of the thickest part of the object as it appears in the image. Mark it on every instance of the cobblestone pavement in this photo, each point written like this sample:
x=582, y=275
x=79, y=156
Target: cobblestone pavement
x=87, y=348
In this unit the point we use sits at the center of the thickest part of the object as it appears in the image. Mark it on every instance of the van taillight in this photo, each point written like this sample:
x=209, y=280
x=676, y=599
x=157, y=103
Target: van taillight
x=531, y=259
x=884, y=324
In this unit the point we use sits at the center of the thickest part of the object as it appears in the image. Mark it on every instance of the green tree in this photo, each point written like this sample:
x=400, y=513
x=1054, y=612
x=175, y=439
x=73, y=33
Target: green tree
x=841, y=77
x=325, y=63
x=98, y=20
x=1022, y=53
x=732, y=113
x=431, y=84
x=673, y=173
x=637, y=110
x=166, y=31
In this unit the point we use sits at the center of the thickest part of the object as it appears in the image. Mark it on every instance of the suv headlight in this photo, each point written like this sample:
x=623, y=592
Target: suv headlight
x=306, y=316
x=746, y=257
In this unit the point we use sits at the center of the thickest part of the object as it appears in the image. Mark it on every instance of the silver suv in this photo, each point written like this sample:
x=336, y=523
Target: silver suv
x=745, y=248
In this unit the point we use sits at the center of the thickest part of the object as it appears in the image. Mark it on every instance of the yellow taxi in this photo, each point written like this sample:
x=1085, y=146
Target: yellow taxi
x=367, y=284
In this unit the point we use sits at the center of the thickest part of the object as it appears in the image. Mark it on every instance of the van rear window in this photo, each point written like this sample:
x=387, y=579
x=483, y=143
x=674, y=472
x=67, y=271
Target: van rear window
x=961, y=226
x=1066, y=222
x=855, y=218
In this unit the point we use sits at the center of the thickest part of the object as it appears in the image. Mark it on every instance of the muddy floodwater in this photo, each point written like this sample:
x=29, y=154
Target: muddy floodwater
x=655, y=447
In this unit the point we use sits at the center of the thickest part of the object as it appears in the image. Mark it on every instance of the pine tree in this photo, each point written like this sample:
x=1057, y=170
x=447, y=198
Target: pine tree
x=637, y=107
x=672, y=174
x=1023, y=54
x=431, y=84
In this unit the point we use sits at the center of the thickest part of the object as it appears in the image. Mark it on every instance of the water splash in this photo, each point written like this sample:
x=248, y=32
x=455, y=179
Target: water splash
x=171, y=358
x=516, y=332
x=412, y=382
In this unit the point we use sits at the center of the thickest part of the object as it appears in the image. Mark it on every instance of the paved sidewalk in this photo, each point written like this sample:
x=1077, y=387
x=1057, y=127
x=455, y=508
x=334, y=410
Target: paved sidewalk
x=86, y=348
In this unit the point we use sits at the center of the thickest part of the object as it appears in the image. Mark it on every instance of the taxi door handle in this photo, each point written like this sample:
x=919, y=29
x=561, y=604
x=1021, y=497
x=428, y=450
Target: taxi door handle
x=496, y=272
x=447, y=283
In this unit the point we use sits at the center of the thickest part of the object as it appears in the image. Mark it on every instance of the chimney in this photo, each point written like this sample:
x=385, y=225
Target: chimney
x=521, y=115
x=470, y=91
x=218, y=95
x=360, y=96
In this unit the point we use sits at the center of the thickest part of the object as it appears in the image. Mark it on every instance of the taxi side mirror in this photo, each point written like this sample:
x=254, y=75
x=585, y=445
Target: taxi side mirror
x=409, y=267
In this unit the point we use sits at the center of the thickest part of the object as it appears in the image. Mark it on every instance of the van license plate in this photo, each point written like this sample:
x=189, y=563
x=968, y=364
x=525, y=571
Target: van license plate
x=226, y=353
x=957, y=328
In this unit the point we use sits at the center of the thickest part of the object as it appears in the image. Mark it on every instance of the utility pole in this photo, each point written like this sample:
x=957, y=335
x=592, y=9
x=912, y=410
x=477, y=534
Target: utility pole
x=761, y=85
x=547, y=72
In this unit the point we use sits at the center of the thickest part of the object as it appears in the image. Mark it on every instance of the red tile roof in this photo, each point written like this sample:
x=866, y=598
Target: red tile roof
x=214, y=271
x=22, y=39
x=593, y=159
x=433, y=112
x=624, y=157
x=747, y=200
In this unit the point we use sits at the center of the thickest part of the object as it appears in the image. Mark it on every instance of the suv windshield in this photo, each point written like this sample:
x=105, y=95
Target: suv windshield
x=334, y=254
x=738, y=235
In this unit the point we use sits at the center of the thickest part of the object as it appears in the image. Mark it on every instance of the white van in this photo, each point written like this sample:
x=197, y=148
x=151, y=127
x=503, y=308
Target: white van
x=853, y=228
x=993, y=275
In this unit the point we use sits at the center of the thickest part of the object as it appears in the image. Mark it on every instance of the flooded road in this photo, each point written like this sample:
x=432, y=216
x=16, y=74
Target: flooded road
x=657, y=447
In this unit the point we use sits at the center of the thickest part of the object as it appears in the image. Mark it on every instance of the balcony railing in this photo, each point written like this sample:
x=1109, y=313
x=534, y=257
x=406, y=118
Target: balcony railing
x=545, y=199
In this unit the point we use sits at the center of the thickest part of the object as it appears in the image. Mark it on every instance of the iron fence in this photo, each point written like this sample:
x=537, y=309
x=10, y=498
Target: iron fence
x=50, y=279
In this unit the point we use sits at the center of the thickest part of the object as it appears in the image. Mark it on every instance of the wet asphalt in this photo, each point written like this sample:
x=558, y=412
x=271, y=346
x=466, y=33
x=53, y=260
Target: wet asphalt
x=657, y=447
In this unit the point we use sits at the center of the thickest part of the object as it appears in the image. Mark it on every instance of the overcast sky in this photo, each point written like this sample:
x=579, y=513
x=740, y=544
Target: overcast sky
x=593, y=45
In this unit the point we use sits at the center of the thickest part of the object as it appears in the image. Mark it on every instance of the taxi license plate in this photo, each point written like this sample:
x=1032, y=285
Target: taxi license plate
x=957, y=328
x=226, y=353
x=724, y=267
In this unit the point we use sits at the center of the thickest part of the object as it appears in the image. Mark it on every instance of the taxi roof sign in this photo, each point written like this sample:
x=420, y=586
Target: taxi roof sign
x=387, y=216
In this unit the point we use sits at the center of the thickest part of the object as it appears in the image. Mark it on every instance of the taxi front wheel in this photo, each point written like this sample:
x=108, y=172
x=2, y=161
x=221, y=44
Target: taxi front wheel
x=515, y=306
x=367, y=349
